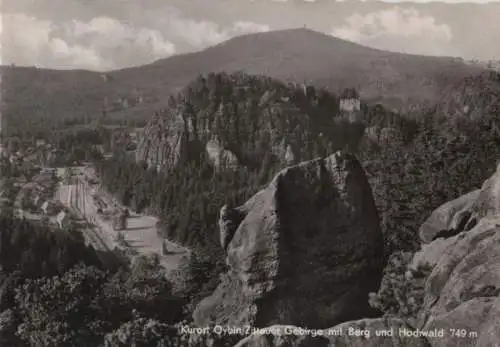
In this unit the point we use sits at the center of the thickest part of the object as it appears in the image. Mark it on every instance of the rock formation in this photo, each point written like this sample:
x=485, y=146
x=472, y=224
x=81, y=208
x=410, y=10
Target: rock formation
x=241, y=119
x=450, y=218
x=163, y=142
x=306, y=250
x=461, y=242
x=220, y=157
x=463, y=291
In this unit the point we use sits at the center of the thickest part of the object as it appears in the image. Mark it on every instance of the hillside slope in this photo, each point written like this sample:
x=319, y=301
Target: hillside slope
x=296, y=55
x=251, y=119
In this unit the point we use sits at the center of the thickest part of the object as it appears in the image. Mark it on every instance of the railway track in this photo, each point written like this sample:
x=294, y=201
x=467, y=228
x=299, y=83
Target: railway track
x=91, y=231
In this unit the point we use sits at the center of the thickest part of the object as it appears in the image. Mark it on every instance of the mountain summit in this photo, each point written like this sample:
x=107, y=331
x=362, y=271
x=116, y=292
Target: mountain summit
x=295, y=55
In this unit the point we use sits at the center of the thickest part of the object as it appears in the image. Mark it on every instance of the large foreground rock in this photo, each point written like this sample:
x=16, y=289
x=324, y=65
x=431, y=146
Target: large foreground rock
x=463, y=213
x=450, y=218
x=305, y=251
x=462, y=292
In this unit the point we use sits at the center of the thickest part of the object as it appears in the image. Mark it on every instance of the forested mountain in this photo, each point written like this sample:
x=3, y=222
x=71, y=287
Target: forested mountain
x=218, y=138
x=256, y=118
x=296, y=55
x=424, y=162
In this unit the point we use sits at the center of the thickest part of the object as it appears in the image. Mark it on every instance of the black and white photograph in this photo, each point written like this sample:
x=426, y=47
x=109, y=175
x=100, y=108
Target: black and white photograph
x=249, y=173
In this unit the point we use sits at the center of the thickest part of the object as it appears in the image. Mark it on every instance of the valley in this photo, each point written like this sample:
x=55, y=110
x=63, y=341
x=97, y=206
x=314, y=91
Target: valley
x=284, y=181
x=140, y=236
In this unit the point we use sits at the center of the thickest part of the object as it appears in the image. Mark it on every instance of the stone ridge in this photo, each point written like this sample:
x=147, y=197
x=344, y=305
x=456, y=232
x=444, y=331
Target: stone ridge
x=306, y=250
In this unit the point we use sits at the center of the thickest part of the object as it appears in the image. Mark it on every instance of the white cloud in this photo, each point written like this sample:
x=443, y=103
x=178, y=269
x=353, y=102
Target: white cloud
x=245, y=27
x=200, y=34
x=104, y=43
x=396, y=29
x=101, y=43
x=119, y=44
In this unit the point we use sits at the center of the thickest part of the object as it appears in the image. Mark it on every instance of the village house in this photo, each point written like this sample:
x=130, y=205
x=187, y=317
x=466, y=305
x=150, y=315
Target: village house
x=350, y=105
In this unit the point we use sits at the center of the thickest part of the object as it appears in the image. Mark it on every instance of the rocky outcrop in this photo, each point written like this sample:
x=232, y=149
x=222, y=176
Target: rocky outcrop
x=284, y=152
x=450, y=218
x=220, y=157
x=463, y=213
x=243, y=120
x=306, y=250
x=461, y=242
x=163, y=143
x=462, y=292
x=361, y=333
x=464, y=287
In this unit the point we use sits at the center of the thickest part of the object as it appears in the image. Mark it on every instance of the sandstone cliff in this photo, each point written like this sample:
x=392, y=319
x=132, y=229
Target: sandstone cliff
x=240, y=119
x=461, y=241
x=463, y=290
x=306, y=250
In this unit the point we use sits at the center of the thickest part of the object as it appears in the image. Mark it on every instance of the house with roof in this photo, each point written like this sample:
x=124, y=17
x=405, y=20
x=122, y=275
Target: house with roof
x=350, y=104
x=349, y=100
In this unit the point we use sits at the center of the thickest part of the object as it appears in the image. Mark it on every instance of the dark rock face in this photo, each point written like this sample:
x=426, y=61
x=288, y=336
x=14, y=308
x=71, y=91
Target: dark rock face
x=305, y=251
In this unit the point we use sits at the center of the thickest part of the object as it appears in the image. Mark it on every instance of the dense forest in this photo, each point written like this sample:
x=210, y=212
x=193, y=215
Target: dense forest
x=427, y=160
x=27, y=128
x=252, y=116
x=54, y=291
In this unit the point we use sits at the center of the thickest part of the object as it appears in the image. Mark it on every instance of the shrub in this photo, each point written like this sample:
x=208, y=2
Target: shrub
x=401, y=291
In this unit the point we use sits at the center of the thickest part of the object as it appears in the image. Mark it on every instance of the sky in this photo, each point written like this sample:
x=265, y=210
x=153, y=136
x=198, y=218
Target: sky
x=104, y=35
